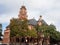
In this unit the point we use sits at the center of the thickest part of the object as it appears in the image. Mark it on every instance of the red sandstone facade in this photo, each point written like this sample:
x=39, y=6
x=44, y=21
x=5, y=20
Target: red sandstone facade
x=6, y=37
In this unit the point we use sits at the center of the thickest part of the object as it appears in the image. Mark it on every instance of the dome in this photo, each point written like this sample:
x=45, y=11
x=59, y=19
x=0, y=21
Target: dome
x=23, y=7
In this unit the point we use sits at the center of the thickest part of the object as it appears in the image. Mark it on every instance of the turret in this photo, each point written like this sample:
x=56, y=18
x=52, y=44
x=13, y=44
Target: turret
x=40, y=21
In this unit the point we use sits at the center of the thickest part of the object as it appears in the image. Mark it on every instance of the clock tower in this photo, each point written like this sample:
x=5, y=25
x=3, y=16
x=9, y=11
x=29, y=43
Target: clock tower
x=23, y=13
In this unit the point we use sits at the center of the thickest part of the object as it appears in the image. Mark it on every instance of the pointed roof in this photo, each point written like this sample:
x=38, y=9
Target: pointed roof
x=41, y=20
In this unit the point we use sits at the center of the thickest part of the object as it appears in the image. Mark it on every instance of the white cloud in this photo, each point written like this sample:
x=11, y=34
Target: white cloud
x=6, y=17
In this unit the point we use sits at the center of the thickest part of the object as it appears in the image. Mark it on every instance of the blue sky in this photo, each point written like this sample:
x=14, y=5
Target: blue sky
x=49, y=9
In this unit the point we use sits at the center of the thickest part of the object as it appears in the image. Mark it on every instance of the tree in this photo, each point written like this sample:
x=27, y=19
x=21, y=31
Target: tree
x=50, y=30
x=20, y=28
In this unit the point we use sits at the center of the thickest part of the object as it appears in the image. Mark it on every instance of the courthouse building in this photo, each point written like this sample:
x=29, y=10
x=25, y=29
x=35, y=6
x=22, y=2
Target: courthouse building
x=31, y=24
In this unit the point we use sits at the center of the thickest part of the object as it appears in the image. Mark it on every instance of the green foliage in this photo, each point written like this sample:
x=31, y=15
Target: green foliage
x=32, y=33
x=20, y=28
x=49, y=30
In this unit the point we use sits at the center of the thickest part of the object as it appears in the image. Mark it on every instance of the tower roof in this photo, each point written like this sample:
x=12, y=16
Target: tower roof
x=23, y=7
